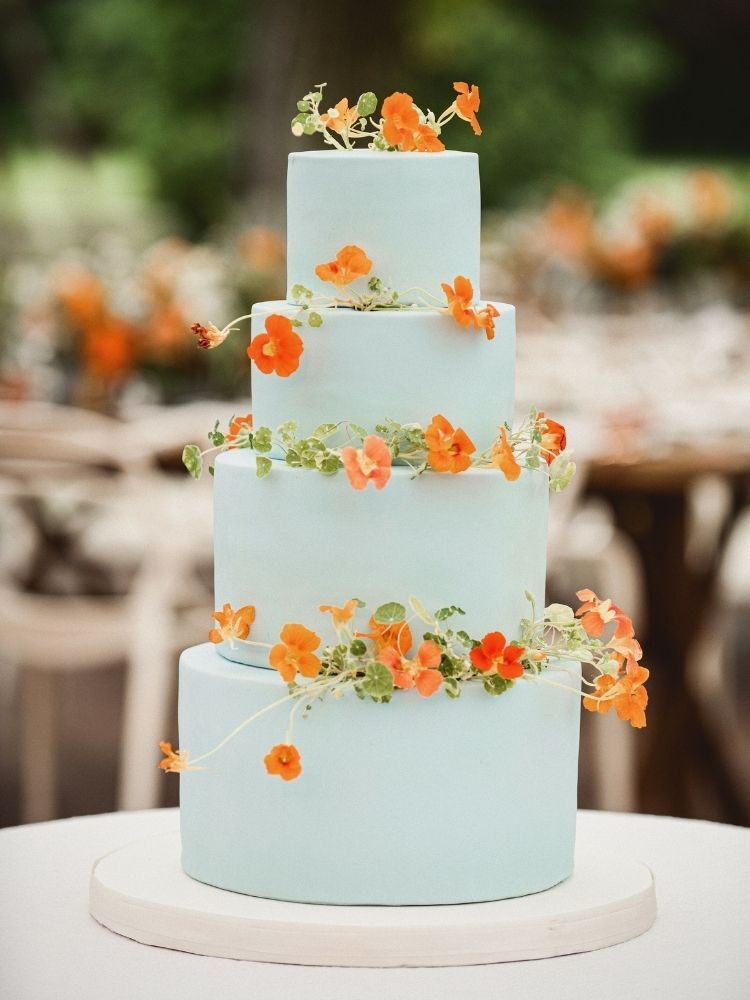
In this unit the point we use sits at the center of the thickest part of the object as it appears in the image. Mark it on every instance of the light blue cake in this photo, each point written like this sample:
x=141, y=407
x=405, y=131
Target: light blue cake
x=423, y=800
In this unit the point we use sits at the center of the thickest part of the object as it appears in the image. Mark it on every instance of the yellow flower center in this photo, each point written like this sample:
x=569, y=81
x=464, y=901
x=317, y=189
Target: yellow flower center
x=365, y=463
x=269, y=349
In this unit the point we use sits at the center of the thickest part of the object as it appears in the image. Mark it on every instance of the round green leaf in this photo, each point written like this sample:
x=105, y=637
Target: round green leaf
x=390, y=614
x=366, y=104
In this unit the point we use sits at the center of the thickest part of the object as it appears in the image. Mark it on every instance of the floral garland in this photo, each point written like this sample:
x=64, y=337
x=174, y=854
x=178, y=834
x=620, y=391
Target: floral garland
x=278, y=349
x=402, y=126
x=538, y=443
x=381, y=661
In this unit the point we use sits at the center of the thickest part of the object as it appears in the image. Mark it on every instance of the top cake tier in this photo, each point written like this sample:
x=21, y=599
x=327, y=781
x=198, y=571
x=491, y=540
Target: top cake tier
x=417, y=215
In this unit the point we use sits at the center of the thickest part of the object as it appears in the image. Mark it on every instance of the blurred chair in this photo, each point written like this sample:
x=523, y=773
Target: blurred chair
x=145, y=528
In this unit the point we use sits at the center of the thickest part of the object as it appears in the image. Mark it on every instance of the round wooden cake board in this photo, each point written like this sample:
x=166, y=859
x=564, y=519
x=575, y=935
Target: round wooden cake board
x=141, y=892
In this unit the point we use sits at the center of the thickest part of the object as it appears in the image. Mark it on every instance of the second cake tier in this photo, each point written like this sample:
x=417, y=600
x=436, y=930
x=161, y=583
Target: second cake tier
x=295, y=539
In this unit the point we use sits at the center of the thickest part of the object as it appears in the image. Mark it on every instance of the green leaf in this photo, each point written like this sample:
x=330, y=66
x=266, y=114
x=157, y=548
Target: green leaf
x=390, y=614
x=192, y=460
x=287, y=431
x=444, y=613
x=378, y=680
x=359, y=431
x=330, y=465
x=262, y=466
x=262, y=439
x=299, y=119
x=300, y=292
x=465, y=639
x=358, y=648
x=323, y=431
x=452, y=687
x=292, y=458
x=309, y=459
x=303, y=106
x=495, y=684
x=315, y=319
x=367, y=103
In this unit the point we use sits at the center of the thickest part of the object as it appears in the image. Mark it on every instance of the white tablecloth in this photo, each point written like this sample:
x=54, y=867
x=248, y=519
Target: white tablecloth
x=51, y=949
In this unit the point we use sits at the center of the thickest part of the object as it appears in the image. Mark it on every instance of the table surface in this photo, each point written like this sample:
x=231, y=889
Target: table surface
x=51, y=948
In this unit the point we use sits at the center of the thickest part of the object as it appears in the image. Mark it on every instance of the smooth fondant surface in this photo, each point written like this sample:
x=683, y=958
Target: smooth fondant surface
x=416, y=215
x=420, y=801
x=297, y=539
x=367, y=366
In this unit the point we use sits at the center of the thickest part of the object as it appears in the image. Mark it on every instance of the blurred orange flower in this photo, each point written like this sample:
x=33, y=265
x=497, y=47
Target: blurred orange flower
x=108, y=348
x=340, y=616
x=262, y=248
x=595, y=614
x=397, y=634
x=504, y=459
x=400, y=121
x=351, y=263
x=493, y=655
x=278, y=349
x=81, y=293
x=295, y=653
x=467, y=104
x=554, y=438
x=340, y=117
x=283, y=760
x=174, y=760
x=232, y=624
x=627, y=695
x=712, y=197
x=369, y=464
x=449, y=449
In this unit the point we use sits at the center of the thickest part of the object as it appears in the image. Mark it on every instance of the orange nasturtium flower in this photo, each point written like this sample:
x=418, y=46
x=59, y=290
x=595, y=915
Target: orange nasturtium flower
x=209, y=336
x=232, y=624
x=278, y=349
x=351, y=263
x=369, y=464
x=174, y=760
x=340, y=616
x=340, y=117
x=595, y=614
x=449, y=448
x=426, y=140
x=396, y=634
x=400, y=121
x=467, y=104
x=554, y=437
x=421, y=672
x=283, y=760
x=493, y=655
x=237, y=426
x=485, y=320
x=627, y=695
x=459, y=307
x=504, y=459
x=295, y=653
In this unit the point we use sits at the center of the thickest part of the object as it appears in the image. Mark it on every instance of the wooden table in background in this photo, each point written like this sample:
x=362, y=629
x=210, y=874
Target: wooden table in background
x=650, y=500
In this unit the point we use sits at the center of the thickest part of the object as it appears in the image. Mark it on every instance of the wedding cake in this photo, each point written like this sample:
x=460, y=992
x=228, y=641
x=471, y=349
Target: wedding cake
x=384, y=712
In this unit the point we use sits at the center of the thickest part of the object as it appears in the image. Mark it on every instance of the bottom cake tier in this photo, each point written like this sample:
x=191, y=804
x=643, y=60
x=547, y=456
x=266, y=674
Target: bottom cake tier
x=419, y=801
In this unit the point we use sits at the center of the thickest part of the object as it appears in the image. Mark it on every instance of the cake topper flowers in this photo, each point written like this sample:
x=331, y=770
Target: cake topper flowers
x=377, y=664
x=402, y=125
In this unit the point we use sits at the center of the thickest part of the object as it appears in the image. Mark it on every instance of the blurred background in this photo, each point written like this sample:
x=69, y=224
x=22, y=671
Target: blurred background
x=142, y=189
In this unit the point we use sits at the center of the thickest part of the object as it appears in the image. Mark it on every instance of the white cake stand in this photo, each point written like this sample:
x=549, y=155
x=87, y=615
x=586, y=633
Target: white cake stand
x=141, y=892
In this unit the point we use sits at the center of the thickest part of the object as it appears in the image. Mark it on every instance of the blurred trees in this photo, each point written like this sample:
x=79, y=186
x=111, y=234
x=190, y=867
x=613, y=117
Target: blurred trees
x=203, y=92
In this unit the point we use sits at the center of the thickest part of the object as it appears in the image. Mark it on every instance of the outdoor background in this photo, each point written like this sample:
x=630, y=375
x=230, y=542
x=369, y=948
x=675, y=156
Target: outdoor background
x=142, y=188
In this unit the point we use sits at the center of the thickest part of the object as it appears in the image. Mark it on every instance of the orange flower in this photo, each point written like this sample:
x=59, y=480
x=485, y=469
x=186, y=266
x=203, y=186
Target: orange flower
x=284, y=760
x=340, y=117
x=400, y=121
x=209, y=336
x=554, y=437
x=467, y=104
x=351, y=263
x=484, y=319
x=397, y=634
x=278, y=349
x=426, y=140
x=295, y=653
x=595, y=614
x=237, y=426
x=459, y=300
x=504, y=459
x=174, y=760
x=421, y=672
x=449, y=449
x=369, y=464
x=232, y=624
x=494, y=656
x=627, y=695
x=109, y=349
x=627, y=651
x=340, y=616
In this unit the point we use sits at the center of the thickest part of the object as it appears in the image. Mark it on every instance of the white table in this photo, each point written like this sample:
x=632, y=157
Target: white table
x=51, y=949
